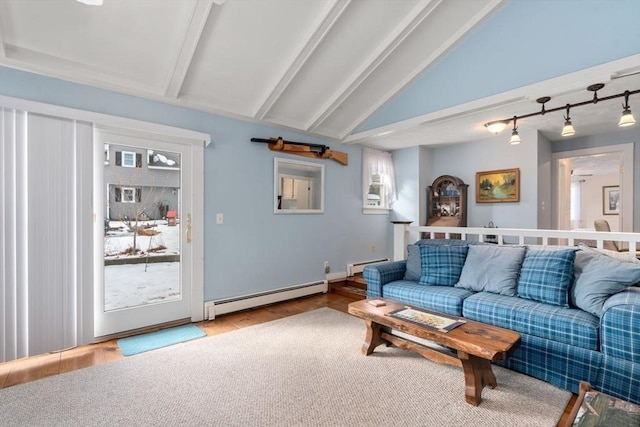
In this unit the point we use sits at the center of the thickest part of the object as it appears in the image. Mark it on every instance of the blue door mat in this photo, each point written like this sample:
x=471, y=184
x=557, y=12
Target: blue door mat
x=166, y=337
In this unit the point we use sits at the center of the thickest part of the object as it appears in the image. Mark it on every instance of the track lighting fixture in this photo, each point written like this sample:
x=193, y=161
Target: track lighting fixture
x=568, y=129
x=515, y=138
x=627, y=119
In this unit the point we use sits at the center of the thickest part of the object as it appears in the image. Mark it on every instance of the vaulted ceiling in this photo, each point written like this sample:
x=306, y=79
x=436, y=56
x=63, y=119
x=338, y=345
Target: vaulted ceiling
x=327, y=68
x=321, y=66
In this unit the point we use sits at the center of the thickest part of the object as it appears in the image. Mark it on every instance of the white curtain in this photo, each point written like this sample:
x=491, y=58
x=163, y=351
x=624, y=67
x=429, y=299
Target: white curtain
x=46, y=291
x=376, y=162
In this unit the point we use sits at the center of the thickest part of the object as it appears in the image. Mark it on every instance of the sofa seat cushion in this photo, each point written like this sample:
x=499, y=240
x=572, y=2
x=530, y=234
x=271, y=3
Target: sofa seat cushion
x=566, y=325
x=445, y=299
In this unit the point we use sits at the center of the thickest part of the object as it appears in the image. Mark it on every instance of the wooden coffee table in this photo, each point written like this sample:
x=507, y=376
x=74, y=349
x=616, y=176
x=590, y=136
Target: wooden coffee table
x=476, y=344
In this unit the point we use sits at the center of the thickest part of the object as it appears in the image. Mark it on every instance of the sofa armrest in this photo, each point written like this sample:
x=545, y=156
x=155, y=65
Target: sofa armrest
x=620, y=326
x=377, y=275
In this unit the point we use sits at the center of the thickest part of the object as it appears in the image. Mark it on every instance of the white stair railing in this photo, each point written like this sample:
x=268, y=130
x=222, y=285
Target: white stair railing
x=512, y=236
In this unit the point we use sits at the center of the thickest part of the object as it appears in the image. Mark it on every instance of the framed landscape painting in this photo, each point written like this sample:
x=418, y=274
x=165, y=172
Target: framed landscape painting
x=499, y=186
x=611, y=200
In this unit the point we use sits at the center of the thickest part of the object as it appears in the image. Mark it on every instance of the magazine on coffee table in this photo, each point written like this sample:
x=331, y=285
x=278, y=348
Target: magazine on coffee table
x=423, y=318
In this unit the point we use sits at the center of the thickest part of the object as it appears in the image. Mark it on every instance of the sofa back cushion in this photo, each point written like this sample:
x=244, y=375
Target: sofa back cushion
x=443, y=299
x=492, y=268
x=545, y=276
x=597, y=277
x=441, y=265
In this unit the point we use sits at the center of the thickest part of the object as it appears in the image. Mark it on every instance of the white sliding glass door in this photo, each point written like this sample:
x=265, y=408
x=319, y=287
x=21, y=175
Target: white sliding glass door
x=55, y=289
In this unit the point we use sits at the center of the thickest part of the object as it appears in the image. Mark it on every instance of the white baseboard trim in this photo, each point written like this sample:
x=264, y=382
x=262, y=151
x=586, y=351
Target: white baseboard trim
x=229, y=305
x=358, y=267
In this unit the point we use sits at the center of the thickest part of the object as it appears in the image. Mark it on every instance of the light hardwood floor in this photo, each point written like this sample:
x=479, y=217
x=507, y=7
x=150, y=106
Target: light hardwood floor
x=41, y=366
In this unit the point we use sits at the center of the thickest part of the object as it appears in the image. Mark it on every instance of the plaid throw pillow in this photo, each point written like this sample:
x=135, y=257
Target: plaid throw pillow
x=546, y=276
x=441, y=265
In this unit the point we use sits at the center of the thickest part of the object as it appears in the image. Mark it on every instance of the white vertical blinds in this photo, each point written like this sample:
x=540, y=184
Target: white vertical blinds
x=46, y=230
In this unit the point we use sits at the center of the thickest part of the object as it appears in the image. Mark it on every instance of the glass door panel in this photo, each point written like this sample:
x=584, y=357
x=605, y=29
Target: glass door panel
x=144, y=242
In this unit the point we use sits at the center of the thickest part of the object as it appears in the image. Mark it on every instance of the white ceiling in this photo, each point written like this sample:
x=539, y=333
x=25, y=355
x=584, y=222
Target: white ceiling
x=596, y=164
x=322, y=67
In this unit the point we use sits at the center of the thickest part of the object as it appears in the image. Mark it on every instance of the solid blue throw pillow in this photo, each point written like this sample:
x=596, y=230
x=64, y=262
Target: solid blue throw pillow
x=414, y=265
x=492, y=268
x=597, y=277
x=546, y=276
x=442, y=265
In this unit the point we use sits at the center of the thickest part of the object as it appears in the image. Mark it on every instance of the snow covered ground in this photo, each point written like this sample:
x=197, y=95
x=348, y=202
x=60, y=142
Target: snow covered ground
x=131, y=285
x=119, y=238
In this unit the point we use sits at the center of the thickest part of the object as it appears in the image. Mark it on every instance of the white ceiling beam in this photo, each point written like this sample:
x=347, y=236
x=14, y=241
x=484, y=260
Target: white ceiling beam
x=331, y=16
x=400, y=32
x=201, y=11
x=444, y=48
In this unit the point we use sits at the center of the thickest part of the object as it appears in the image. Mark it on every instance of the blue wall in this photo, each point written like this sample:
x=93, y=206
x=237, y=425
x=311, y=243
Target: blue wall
x=254, y=250
x=533, y=157
x=524, y=42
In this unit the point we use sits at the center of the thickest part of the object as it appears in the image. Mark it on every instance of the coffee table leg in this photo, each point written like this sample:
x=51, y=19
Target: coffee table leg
x=372, y=340
x=477, y=374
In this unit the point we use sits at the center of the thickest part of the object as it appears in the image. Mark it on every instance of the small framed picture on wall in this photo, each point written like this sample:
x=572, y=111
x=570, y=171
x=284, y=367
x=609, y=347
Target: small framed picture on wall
x=611, y=200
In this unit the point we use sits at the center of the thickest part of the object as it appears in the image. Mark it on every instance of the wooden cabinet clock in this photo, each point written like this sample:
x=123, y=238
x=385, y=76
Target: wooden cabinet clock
x=447, y=202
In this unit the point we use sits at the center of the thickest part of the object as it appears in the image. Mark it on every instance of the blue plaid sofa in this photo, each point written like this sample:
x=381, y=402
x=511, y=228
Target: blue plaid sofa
x=576, y=309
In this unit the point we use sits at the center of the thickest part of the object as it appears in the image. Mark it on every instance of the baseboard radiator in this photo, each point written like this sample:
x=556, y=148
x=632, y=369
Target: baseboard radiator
x=357, y=267
x=229, y=305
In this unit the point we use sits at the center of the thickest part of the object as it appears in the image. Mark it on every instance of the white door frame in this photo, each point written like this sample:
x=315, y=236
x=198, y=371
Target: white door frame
x=151, y=130
x=107, y=323
x=626, y=180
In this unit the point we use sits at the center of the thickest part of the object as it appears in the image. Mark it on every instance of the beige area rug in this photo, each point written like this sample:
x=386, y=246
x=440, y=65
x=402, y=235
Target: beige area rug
x=304, y=370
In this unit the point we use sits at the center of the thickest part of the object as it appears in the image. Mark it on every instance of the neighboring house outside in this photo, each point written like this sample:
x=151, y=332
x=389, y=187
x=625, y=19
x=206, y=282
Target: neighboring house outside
x=140, y=183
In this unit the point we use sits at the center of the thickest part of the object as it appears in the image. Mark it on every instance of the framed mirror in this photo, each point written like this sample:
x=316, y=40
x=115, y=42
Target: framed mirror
x=298, y=187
